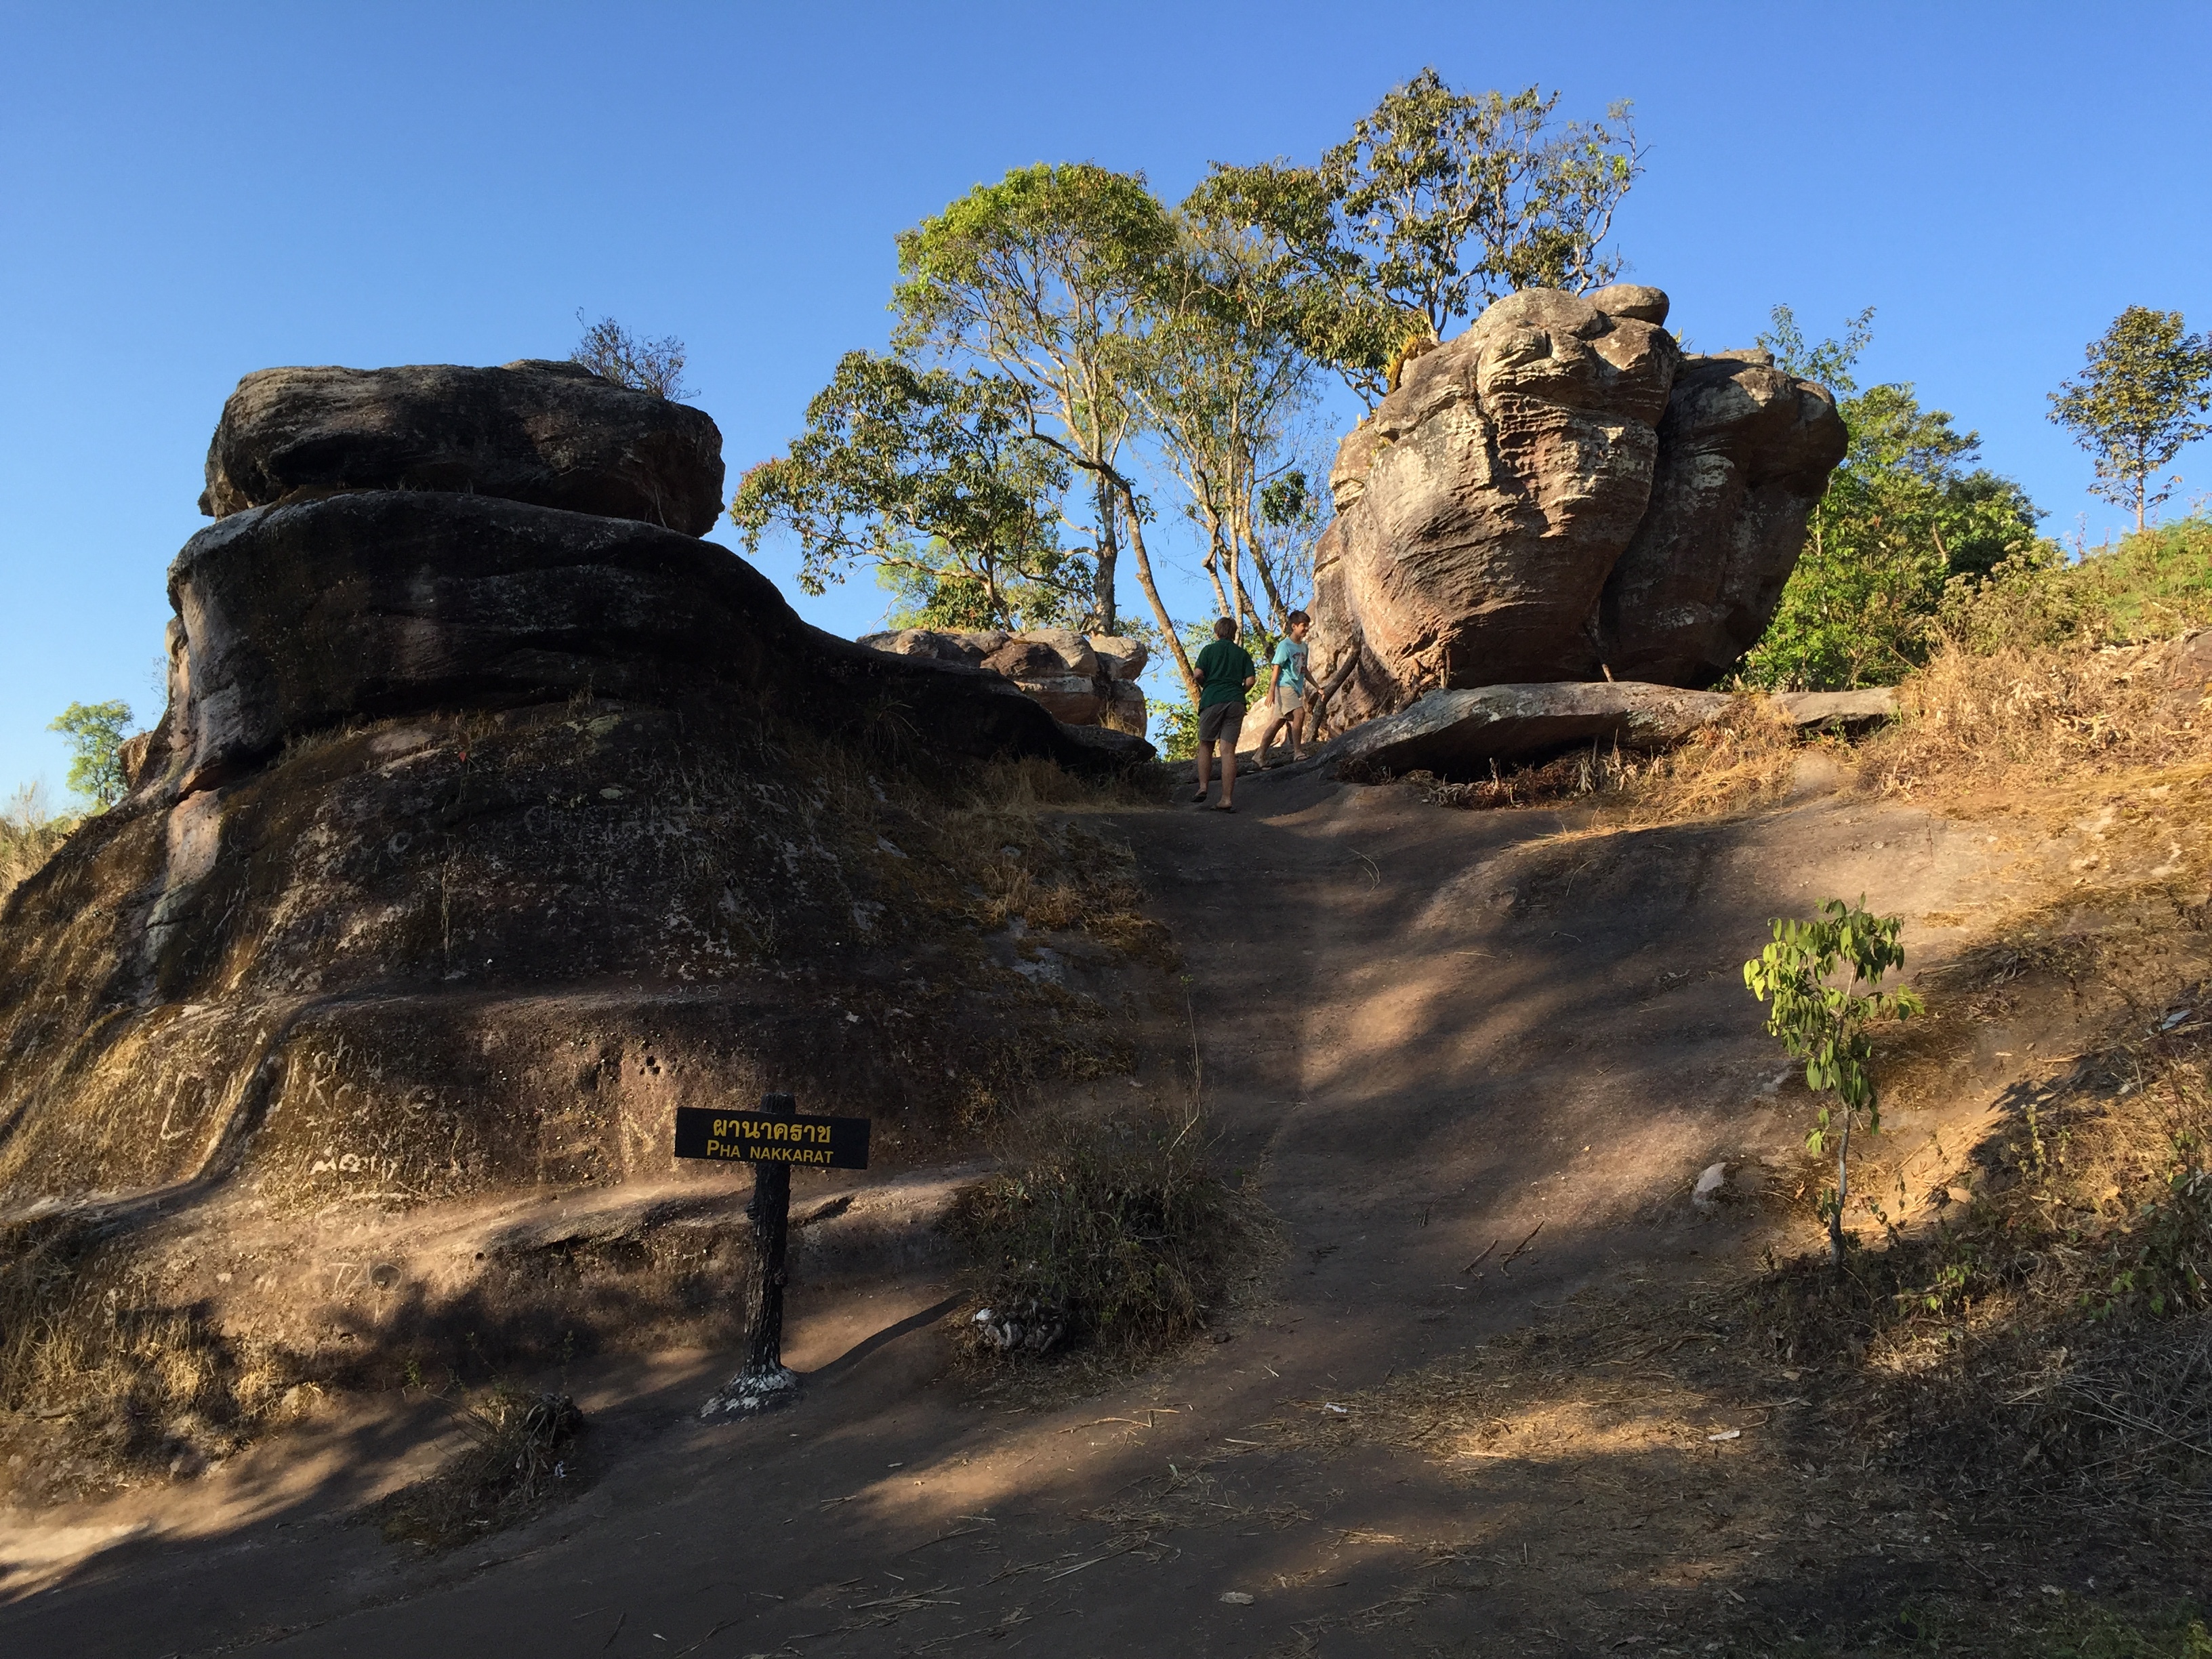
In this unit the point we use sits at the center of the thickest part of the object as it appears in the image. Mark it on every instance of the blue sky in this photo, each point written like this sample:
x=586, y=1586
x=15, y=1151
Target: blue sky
x=188, y=193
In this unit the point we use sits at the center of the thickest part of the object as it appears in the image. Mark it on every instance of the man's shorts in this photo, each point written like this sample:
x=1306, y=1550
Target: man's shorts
x=1287, y=702
x=1220, y=723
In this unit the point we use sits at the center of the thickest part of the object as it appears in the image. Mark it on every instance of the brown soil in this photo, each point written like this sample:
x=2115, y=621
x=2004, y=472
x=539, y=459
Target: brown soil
x=1509, y=1392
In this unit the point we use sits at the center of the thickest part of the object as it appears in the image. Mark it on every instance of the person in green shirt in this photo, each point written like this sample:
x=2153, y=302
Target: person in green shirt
x=1225, y=674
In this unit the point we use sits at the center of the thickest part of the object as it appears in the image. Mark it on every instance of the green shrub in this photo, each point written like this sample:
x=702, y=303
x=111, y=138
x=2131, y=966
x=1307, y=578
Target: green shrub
x=2147, y=586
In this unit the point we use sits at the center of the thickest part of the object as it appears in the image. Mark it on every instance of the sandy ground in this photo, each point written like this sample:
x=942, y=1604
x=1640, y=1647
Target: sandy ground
x=1433, y=1034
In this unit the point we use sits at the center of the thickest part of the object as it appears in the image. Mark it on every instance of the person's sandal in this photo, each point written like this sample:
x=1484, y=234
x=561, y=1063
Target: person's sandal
x=1224, y=807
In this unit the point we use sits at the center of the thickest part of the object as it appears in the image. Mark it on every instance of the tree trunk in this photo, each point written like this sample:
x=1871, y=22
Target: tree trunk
x=1151, y=592
x=1239, y=539
x=1843, y=1192
x=1276, y=608
x=1213, y=563
x=1101, y=599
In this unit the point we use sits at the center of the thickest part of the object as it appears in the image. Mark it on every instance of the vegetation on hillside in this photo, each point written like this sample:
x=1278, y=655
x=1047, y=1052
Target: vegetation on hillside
x=2143, y=395
x=1064, y=335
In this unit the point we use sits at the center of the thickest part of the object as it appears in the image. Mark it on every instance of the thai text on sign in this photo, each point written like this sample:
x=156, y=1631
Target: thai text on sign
x=739, y=1137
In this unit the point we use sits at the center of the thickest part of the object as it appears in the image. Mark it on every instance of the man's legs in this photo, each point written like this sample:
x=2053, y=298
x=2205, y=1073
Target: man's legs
x=1229, y=766
x=1204, y=769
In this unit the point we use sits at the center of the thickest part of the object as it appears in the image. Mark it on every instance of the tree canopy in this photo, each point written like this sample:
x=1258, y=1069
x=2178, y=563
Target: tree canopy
x=1908, y=512
x=1061, y=329
x=930, y=474
x=2143, y=395
x=1041, y=279
x=95, y=732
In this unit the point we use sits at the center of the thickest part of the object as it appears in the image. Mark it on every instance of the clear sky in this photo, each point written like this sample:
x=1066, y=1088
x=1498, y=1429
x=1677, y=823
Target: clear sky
x=190, y=192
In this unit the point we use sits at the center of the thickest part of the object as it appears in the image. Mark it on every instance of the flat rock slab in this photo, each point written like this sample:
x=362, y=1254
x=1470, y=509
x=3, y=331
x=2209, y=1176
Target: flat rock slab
x=550, y=434
x=1461, y=731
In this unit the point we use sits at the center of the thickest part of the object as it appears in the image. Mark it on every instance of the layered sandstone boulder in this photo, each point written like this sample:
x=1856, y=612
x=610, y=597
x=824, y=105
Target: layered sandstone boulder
x=1556, y=487
x=480, y=835
x=550, y=433
x=1745, y=452
x=1082, y=680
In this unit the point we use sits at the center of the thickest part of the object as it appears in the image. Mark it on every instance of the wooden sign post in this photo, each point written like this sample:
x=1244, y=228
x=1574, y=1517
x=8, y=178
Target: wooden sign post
x=771, y=1139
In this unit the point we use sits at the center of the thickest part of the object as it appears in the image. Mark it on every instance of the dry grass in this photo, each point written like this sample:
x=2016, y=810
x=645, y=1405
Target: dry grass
x=1108, y=1235
x=29, y=834
x=1741, y=761
x=2048, y=1342
x=110, y=1382
x=2043, y=717
x=519, y=1458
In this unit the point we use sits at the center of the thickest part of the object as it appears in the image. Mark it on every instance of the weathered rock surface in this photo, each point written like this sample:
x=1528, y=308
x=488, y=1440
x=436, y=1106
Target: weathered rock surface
x=377, y=603
x=1459, y=733
x=551, y=433
x=1483, y=504
x=1745, y=452
x=1080, y=679
x=1555, y=491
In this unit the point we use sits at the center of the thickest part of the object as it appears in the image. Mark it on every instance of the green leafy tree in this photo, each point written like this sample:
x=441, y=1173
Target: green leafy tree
x=1906, y=514
x=612, y=352
x=932, y=477
x=95, y=732
x=1459, y=198
x=1042, y=280
x=1224, y=378
x=2142, y=396
x=1824, y=1023
x=1340, y=320
x=1439, y=203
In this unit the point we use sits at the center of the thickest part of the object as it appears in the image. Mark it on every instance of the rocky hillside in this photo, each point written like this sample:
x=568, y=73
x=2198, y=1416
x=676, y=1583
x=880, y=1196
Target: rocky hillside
x=481, y=833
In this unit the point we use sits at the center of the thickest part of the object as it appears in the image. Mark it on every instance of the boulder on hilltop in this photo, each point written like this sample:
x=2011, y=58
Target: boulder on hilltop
x=451, y=786
x=1558, y=493
x=551, y=433
x=1745, y=452
x=1483, y=504
x=1082, y=680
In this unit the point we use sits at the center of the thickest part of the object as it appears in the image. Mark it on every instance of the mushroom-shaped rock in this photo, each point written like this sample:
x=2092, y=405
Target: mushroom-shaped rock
x=551, y=433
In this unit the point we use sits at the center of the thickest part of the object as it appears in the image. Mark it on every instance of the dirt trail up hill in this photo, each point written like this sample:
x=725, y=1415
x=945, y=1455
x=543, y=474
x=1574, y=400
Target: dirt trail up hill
x=1476, y=1062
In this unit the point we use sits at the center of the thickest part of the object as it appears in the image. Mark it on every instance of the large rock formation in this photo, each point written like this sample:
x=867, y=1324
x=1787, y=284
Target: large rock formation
x=1082, y=679
x=477, y=814
x=1745, y=451
x=551, y=433
x=1488, y=509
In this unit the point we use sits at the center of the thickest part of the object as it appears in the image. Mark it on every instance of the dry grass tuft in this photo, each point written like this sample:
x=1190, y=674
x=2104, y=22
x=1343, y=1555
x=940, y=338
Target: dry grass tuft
x=29, y=835
x=109, y=1383
x=520, y=1459
x=1110, y=1235
x=1741, y=761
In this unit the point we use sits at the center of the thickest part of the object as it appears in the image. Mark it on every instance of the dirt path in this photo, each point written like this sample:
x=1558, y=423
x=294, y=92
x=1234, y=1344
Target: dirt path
x=1447, y=1041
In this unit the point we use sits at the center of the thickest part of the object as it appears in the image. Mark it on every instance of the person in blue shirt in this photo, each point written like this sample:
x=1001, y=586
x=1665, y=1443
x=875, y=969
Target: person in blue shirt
x=1287, y=690
x=1225, y=674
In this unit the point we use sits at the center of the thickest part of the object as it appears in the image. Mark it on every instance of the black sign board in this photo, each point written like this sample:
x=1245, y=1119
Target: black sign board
x=742, y=1136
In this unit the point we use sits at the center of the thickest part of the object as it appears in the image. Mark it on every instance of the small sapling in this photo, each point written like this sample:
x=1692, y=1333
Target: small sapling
x=1822, y=1019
